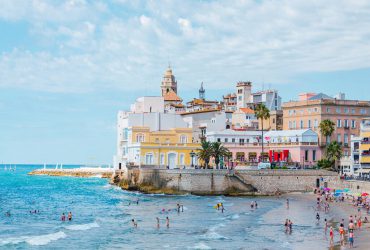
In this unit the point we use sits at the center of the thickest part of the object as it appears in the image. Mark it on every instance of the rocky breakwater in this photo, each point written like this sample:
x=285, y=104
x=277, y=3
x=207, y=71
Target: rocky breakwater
x=75, y=172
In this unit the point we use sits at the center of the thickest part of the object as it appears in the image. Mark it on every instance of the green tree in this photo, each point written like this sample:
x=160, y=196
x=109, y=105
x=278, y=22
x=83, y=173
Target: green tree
x=327, y=128
x=262, y=113
x=218, y=152
x=325, y=163
x=334, y=153
x=205, y=152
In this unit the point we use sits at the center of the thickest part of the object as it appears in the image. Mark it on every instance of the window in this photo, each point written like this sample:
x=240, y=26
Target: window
x=218, y=139
x=294, y=124
x=353, y=111
x=182, y=159
x=309, y=123
x=338, y=110
x=149, y=159
x=353, y=123
x=213, y=120
x=306, y=155
x=313, y=155
x=233, y=140
x=162, y=159
x=240, y=98
x=226, y=140
x=290, y=124
x=339, y=123
x=316, y=110
x=345, y=139
x=156, y=140
x=328, y=110
x=139, y=138
x=241, y=141
x=183, y=139
x=363, y=111
x=309, y=110
x=316, y=123
x=346, y=110
x=346, y=125
x=339, y=138
x=301, y=124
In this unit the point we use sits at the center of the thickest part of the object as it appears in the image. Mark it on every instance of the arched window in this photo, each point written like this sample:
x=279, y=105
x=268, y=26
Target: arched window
x=227, y=126
x=183, y=139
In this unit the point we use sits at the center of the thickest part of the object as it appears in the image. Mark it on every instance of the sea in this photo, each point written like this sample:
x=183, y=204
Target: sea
x=102, y=216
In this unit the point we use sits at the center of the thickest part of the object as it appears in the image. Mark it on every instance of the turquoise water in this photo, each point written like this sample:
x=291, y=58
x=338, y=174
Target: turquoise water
x=102, y=218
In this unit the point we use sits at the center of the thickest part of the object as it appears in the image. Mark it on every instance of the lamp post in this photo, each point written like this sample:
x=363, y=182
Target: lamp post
x=192, y=154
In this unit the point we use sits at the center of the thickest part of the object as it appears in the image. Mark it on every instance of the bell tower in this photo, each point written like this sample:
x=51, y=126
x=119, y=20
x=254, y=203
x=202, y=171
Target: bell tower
x=169, y=82
x=202, y=92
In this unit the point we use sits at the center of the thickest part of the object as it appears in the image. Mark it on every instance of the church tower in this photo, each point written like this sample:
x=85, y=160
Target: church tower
x=202, y=92
x=169, y=82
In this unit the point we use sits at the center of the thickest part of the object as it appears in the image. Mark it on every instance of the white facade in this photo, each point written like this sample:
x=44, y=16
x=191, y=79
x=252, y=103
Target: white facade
x=233, y=136
x=288, y=136
x=270, y=98
x=243, y=94
x=148, y=104
x=204, y=121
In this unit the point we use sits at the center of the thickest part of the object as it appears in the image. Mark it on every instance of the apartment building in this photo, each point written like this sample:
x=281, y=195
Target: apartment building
x=311, y=109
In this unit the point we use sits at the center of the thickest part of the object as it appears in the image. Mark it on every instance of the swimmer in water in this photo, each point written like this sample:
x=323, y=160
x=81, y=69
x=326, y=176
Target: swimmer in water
x=63, y=218
x=70, y=216
x=134, y=224
x=287, y=203
x=255, y=204
x=252, y=205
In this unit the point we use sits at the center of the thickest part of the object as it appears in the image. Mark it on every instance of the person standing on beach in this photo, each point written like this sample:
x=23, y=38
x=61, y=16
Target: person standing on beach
x=331, y=233
x=341, y=234
x=351, y=238
x=326, y=225
x=318, y=217
x=167, y=222
x=157, y=222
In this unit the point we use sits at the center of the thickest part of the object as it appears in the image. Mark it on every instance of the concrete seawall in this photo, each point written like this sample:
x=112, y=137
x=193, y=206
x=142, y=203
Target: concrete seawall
x=216, y=182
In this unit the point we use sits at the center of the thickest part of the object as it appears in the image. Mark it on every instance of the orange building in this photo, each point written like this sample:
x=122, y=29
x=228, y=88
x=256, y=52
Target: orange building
x=311, y=109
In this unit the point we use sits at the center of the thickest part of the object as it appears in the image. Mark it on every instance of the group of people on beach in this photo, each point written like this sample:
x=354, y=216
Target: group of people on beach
x=254, y=205
x=354, y=222
x=64, y=217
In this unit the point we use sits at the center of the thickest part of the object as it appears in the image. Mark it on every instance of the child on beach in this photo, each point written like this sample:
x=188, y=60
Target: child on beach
x=351, y=239
x=341, y=234
x=331, y=233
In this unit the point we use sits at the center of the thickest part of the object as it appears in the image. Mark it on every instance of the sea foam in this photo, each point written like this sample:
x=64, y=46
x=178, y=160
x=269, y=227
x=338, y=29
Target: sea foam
x=82, y=227
x=38, y=240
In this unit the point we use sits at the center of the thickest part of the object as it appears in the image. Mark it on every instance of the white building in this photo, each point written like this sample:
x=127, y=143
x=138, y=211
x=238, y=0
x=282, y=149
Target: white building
x=270, y=98
x=243, y=94
x=148, y=104
x=207, y=120
x=244, y=118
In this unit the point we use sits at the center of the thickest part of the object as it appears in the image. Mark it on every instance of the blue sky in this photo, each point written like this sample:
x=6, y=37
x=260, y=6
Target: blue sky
x=67, y=67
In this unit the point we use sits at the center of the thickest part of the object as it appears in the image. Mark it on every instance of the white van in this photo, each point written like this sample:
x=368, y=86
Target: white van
x=264, y=165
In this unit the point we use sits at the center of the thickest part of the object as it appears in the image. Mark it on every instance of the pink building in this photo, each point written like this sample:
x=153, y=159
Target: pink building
x=294, y=146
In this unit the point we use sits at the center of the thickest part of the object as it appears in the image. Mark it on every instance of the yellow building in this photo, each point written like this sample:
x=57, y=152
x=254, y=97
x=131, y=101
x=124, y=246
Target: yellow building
x=168, y=148
x=365, y=142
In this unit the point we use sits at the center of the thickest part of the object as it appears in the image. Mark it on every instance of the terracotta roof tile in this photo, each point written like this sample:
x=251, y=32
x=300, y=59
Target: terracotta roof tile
x=247, y=110
x=171, y=96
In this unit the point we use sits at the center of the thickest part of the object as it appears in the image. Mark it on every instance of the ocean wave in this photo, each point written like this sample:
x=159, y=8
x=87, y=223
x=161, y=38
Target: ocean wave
x=82, y=227
x=211, y=234
x=200, y=245
x=39, y=240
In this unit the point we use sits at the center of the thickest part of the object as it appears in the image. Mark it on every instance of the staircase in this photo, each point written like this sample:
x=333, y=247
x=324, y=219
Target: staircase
x=238, y=177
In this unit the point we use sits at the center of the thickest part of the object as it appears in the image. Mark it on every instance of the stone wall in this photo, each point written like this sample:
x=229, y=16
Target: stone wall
x=212, y=182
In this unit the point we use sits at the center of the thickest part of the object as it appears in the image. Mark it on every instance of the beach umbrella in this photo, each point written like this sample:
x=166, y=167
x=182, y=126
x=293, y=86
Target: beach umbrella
x=346, y=190
x=326, y=189
x=365, y=194
x=338, y=191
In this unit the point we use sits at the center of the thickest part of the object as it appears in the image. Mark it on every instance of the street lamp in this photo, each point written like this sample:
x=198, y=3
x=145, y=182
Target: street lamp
x=192, y=154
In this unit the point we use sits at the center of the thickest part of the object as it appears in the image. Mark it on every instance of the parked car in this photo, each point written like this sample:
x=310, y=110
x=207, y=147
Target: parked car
x=264, y=165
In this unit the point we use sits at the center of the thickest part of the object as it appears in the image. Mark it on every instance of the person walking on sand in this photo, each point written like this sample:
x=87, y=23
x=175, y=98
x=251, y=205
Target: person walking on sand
x=326, y=225
x=317, y=217
x=70, y=216
x=167, y=222
x=331, y=233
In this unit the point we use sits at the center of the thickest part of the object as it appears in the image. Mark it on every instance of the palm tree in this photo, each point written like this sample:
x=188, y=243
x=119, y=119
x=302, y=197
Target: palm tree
x=205, y=152
x=262, y=113
x=327, y=128
x=219, y=151
x=334, y=153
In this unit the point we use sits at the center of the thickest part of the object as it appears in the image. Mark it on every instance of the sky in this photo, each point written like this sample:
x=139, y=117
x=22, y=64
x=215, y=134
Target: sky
x=67, y=67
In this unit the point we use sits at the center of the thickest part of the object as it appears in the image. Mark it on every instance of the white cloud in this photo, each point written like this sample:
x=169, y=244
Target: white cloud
x=90, y=46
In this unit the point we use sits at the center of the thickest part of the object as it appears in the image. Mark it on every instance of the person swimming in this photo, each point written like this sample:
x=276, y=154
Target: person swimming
x=287, y=203
x=158, y=222
x=134, y=224
x=63, y=218
x=70, y=216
